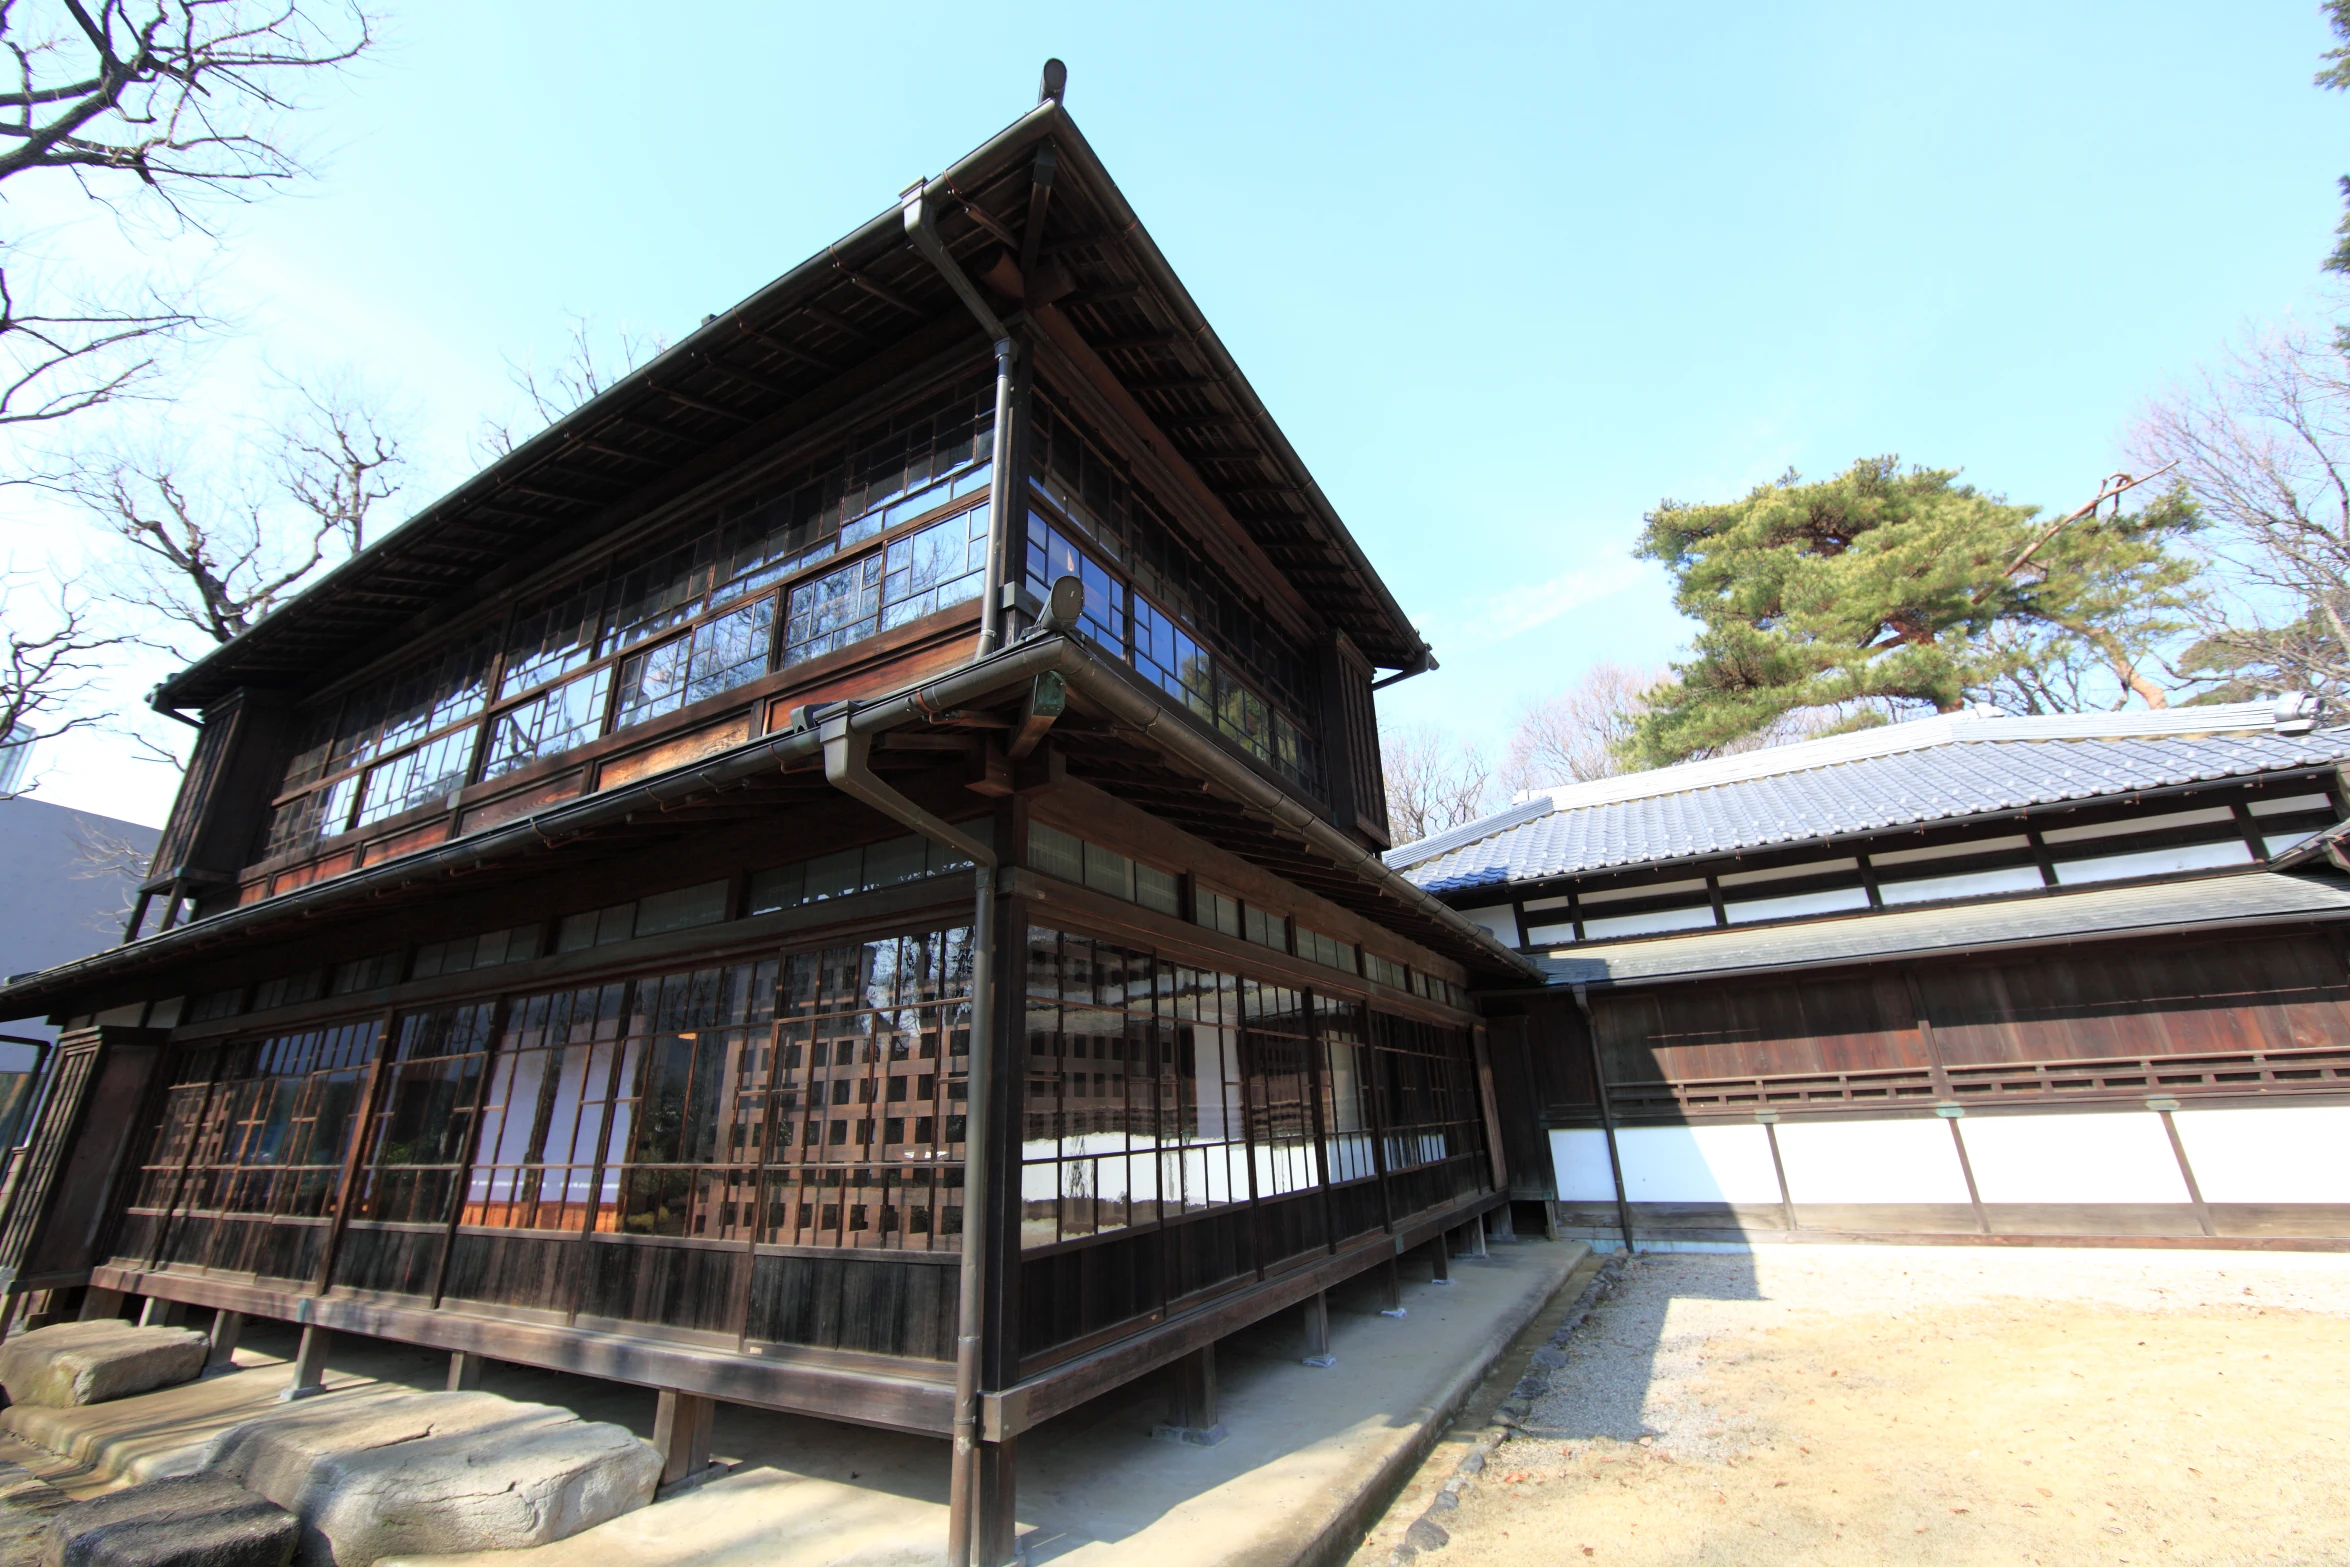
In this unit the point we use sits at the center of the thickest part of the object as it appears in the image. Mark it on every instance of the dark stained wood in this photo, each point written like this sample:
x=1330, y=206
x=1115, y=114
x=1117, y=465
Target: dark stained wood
x=894, y=1394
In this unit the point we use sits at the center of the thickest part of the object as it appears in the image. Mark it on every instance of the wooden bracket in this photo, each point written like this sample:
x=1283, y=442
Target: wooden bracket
x=1048, y=699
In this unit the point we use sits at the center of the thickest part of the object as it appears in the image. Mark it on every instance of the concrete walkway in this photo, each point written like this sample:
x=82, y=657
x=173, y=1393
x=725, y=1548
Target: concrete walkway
x=1312, y=1456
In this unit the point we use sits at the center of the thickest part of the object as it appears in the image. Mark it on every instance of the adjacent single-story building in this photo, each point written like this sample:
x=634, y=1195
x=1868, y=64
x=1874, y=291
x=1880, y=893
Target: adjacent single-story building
x=1973, y=978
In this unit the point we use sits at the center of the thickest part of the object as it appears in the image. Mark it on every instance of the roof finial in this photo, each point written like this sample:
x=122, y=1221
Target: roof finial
x=1055, y=85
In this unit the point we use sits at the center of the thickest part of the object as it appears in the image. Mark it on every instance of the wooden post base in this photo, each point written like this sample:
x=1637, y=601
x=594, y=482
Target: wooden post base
x=1315, y=1309
x=464, y=1372
x=681, y=1430
x=1391, y=1275
x=995, y=1532
x=227, y=1327
x=309, y=1365
x=1191, y=1401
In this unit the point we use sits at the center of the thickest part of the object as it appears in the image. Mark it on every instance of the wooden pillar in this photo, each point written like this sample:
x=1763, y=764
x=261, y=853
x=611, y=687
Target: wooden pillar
x=1505, y=1222
x=309, y=1364
x=465, y=1372
x=99, y=1304
x=1391, y=1275
x=227, y=1326
x=681, y=1430
x=997, y=1541
x=995, y=1502
x=1316, y=1311
x=1476, y=1246
x=156, y=1312
x=1191, y=1400
x=1439, y=1252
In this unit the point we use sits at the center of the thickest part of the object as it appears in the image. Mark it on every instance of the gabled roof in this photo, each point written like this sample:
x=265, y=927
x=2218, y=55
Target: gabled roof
x=753, y=375
x=1934, y=769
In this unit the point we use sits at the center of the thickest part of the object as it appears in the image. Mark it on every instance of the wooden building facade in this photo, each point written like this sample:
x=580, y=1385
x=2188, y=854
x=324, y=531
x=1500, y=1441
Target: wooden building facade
x=843, y=876
x=2079, y=980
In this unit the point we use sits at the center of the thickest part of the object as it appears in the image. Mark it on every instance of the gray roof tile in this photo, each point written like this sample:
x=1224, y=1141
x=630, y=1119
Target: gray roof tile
x=1821, y=789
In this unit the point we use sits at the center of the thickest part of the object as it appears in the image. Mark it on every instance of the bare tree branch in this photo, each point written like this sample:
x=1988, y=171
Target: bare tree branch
x=51, y=659
x=219, y=546
x=1580, y=733
x=2263, y=444
x=1434, y=781
x=583, y=371
x=169, y=103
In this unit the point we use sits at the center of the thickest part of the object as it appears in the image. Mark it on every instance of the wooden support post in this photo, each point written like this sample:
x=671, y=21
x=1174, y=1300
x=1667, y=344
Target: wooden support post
x=98, y=1304
x=464, y=1372
x=1439, y=1251
x=1316, y=1310
x=1191, y=1400
x=1476, y=1247
x=309, y=1364
x=681, y=1430
x=996, y=1540
x=1505, y=1222
x=1391, y=1275
x=156, y=1312
x=226, y=1327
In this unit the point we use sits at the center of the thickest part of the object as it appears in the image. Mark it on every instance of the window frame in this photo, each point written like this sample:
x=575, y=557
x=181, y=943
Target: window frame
x=713, y=603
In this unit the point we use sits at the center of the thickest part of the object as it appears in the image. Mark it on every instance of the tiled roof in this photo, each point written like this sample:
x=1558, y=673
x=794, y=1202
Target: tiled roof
x=2231, y=901
x=1935, y=769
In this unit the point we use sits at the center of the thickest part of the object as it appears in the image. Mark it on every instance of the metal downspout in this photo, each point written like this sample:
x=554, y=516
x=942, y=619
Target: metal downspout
x=848, y=768
x=922, y=232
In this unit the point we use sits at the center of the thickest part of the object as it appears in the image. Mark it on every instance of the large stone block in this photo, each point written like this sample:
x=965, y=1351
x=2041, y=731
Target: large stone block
x=434, y=1473
x=91, y=1362
x=198, y=1521
x=27, y=1507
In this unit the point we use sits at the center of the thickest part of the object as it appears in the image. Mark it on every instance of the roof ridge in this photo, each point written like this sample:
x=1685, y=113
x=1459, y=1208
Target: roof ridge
x=1407, y=855
x=1913, y=735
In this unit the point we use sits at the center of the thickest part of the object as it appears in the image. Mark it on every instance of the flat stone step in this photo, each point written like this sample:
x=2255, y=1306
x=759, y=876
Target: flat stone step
x=196, y=1521
x=430, y=1473
x=77, y=1363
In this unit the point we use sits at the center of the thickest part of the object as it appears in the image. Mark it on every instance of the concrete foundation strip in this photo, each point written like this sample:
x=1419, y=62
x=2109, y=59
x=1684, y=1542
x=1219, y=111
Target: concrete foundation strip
x=1427, y=1532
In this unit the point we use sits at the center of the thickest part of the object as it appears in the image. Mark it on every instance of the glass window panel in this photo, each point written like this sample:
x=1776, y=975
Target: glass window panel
x=570, y=714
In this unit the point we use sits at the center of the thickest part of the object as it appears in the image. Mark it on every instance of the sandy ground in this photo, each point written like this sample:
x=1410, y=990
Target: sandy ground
x=1945, y=1405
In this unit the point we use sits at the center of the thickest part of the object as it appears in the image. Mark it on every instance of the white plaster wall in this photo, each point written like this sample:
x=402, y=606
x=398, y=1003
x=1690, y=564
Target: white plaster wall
x=1697, y=1164
x=2269, y=1154
x=1578, y=1160
x=1499, y=920
x=2120, y=1157
x=1910, y=1160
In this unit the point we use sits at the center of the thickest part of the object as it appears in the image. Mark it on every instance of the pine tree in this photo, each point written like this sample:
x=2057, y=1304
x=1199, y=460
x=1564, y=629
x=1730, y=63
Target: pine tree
x=1883, y=589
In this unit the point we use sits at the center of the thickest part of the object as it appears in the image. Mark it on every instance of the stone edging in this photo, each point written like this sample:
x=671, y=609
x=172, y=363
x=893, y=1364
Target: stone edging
x=1426, y=1533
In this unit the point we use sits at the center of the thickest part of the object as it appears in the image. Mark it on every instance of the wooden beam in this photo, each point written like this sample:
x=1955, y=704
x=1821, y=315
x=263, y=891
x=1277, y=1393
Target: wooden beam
x=879, y=290
x=915, y=1396
x=690, y=401
x=777, y=344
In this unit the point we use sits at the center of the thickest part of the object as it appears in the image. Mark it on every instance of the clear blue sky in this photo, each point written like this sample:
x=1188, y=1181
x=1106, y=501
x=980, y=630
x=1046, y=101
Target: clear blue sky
x=1507, y=275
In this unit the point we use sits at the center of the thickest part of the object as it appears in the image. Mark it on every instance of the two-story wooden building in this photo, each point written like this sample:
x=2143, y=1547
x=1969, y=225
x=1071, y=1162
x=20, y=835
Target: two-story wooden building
x=844, y=875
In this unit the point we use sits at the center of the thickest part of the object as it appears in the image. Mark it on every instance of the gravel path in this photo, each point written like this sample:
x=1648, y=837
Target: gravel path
x=1961, y=1404
x=1639, y=1368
